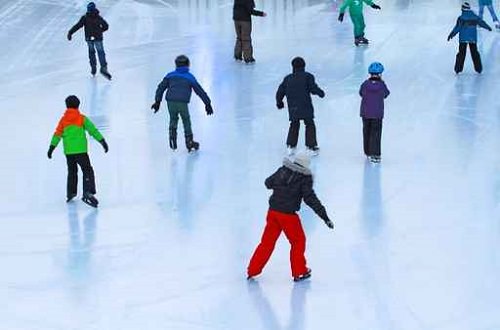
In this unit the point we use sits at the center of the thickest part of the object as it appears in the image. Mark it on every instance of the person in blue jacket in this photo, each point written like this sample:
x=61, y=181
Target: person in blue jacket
x=488, y=4
x=466, y=27
x=179, y=85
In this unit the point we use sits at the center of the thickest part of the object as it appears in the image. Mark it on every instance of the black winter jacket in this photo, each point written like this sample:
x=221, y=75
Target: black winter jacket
x=290, y=184
x=244, y=9
x=93, y=24
x=298, y=87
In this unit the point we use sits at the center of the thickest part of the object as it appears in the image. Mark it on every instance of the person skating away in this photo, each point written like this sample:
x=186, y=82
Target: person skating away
x=179, y=85
x=297, y=87
x=357, y=18
x=243, y=10
x=94, y=26
x=466, y=28
x=291, y=183
x=72, y=129
x=489, y=4
x=373, y=92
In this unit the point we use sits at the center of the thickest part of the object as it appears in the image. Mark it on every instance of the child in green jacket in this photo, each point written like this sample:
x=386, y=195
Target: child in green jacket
x=72, y=129
x=356, y=13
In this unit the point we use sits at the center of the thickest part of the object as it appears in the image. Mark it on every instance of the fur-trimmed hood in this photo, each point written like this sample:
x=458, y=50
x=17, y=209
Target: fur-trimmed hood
x=296, y=167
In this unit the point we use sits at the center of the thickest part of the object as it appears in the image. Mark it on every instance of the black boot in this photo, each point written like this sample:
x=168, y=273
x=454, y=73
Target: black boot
x=90, y=199
x=191, y=144
x=173, y=139
x=105, y=72
x=93, y=70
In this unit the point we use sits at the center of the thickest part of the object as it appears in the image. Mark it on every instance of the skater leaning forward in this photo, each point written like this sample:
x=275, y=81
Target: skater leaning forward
x=297, y=87
x=243, y=10
x=72, y=130
x=373, y=92
x=466, y=27
x=94, y=26
x=291, y=183
x=179, y=85
x=357, y=18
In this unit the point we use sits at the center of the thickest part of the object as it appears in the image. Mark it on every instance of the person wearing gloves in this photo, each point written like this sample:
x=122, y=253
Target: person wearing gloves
x=489, y=4
x=466, y=28
x=243, y=10
x=291, y=183
x=72, y=129
x=94, y=26
x=179, y=85
x=357, y=18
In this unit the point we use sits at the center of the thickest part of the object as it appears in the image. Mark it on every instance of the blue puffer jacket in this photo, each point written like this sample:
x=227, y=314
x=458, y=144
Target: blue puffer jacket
x=179, y=85
x=467, y=26
x=485, y=2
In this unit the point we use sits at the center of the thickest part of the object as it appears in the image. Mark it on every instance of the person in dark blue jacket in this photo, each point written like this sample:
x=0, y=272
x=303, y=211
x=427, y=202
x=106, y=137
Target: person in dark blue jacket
x=179, y=85
x=297, y=87
x=466, y=28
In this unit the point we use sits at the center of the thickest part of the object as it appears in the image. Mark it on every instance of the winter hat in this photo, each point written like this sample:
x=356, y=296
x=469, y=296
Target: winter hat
x=466, y=6
x=91, y=7
x=376, y=68
x=72, y=102
x=303, y=159
x=182, y=60
x=298, y=63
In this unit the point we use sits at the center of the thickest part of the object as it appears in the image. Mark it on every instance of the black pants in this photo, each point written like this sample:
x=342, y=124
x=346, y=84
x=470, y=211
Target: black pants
x=83, y=161
x=372, y=136
x=462, y=52
x=293, y=133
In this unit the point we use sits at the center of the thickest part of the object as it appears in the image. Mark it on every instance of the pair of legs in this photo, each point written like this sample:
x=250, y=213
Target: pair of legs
x=243, y=48
x=293, y=133
x=372, y=136
x=82, y=160
x=491, y=10
x=176, y=110
x=462, y=52
x=278, y=222
x=359, y=26
x=98, y=46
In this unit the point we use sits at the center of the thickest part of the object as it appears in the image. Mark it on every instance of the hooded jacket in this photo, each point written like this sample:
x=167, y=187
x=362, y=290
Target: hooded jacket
x=179, y=85
x=93, y=24
x=291, y=184
x=244, y=9
x=298, y=87
x=466, y=27
x=373, y=92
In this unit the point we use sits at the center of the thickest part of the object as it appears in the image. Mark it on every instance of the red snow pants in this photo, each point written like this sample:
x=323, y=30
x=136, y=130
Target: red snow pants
x=291, y=226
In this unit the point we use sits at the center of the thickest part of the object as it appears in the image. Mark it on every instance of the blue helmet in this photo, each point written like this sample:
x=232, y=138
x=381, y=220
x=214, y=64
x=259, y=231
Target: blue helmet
x=91, y=6
x=376, y=68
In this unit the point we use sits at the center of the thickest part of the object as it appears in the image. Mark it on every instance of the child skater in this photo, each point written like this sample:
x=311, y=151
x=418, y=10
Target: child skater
x=72, y=130
x=373, y=92
x=357, y=18
x=94, y=26
x=179, y=85
x=466, y=27
x=488, y=4
x=298, y=87
x=291, y=183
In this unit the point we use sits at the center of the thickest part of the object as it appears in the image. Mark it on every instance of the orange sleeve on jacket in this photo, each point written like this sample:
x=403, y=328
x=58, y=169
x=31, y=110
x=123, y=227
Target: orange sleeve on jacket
x=59, y=128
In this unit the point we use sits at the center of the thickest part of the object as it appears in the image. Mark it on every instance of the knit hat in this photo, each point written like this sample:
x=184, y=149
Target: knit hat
x=72, y=102
x=466, y=6
x=298, y=63
x=303, y=159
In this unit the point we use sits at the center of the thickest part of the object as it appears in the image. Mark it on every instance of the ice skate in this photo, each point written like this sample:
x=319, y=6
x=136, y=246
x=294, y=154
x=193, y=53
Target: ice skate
x=238, y=58
x=314, y=151
x=303, y=277
x=375, y=159
x=105, y=73
x=172, y=140
x=90, y=200
x=93, y=71
x=357, y=41
x=191, y=145
x=70, y=198
x=364, y=41
x=250, y=61
x=497, y=25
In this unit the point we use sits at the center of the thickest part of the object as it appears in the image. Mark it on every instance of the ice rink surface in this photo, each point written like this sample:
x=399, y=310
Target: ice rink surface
x=416, y=244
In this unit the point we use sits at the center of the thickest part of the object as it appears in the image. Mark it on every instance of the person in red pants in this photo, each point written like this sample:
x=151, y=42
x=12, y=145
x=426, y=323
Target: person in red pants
x=291, y=183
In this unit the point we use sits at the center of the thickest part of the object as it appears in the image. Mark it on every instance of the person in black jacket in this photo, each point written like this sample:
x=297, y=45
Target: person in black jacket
x=298, y=87
x=291, y=183
x=94, y=26
x=242, y=16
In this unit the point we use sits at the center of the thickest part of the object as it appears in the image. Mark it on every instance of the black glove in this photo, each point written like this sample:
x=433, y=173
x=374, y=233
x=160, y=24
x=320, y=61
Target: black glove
x=209, y=109
x=69, y=36
x=156, y=107
x=341, y=17
x=280, y=104
x=490, y=29
x=374, y=6
x=328, y=223
x=321, y=94
x=104, y=145
x=51, y=150
x=449, y=37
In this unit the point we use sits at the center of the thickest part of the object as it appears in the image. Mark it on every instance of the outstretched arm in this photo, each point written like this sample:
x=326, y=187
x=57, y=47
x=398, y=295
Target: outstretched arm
x=455, y=30
x=280, y=95
x=484, y=25
x=313, y=202
x=201, y=92
x=314, y=88
x=89, y=126
x=77, y=26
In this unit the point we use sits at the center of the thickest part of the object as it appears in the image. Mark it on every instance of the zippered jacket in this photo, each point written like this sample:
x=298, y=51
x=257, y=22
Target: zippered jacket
x=179, y=85
x=466, y=27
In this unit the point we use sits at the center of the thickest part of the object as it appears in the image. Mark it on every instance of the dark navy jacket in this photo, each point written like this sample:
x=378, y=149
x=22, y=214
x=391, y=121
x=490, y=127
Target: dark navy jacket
x=467, y=26
x=298, y=87
x=93, y=24
x=179, y=85
x=244, y=9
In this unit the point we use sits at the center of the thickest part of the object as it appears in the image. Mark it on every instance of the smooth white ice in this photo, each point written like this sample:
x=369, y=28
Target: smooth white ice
x=416, y=244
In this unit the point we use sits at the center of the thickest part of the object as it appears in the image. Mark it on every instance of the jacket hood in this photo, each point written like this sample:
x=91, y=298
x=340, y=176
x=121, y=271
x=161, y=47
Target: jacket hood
x=296, y=167
x=93, y=13
x=299, y=70
x=374, y=85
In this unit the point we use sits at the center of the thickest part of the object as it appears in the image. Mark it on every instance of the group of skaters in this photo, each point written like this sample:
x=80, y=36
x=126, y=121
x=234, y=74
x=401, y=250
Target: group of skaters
x=292, y=183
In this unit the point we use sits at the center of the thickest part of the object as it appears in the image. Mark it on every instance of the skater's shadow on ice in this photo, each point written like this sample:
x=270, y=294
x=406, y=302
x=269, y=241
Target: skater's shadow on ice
x=98, y=103
x=266, y=312
x=371, y=202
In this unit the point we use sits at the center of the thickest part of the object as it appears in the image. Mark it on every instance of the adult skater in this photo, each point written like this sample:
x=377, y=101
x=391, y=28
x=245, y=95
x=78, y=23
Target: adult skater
x=72, y=130
x=298, y=87
x=179, y=85
x=466, y=27
x=357, y=18
x=373, y=92
x=94, y=26
x=291, y=183
x=488, y=4
x=243, y=10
